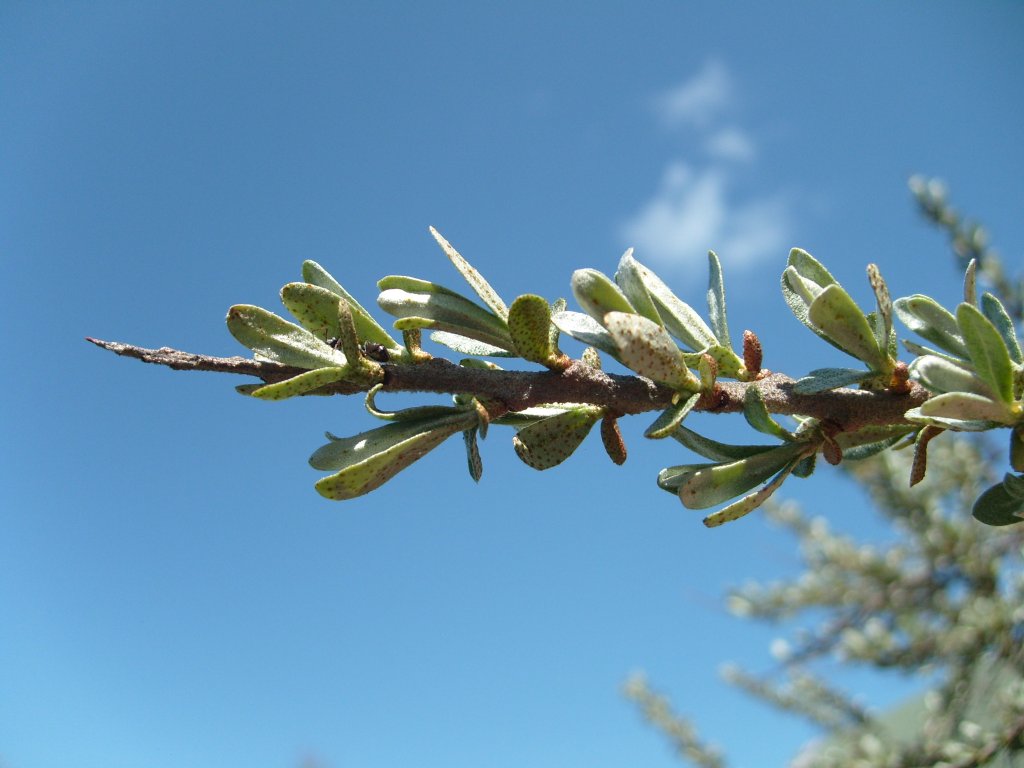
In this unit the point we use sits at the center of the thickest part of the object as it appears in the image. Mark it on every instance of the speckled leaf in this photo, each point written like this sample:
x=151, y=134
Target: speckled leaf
x=998, y=506
x=996, y=313
x=883, y=324
x=467, y=346
x=611, y=437
x=749, y=503
x=299, y=385
x=705, y=485
x=271, y=337
x=629, y=279
x=597, y=294
x=966, y=406
x=529, y=324
x=671, y=418
x=839, y=318
x=549, y=442
x=679, y=318
x=987, y=349
x=476, y=281
x=368, y=328
x=757, y=415
x=315, y=308
x=716, y=301
x=929, y=320
x=824, y=379
x=729, y=363
x=646, y=347
x=586, y=329
x=971, y=282
x=369, y=460
x=871, y=439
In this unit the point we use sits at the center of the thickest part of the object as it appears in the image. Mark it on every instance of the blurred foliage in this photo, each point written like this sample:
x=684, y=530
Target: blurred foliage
x=941, y=599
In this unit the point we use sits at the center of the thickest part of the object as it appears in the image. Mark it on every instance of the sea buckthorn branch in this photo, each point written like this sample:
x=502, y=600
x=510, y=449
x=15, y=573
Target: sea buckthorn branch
x=971, y=380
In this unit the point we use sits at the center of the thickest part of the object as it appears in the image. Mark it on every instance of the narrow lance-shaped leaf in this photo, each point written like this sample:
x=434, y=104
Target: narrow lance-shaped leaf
x=672, y=417
x=714, y=450
x=939, y=374
x=716, y=301
x=467, y=346
x=824, y=379
x=680, y=319
x=473, y=460
x=476, y=281
x=883, y=331
x=996, y=313
x=749, y=503
x=966, y=406
x=987, y=349
x=441, y=310
x=756, y=413
x=299, y=385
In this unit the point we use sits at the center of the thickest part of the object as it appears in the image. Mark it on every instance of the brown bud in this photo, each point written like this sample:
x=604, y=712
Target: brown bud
x=612, y=439
x=832, y=451
x=752, y=353
x=920, y=465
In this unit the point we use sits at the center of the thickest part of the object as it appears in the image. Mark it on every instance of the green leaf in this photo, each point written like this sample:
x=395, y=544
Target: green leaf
x=679, y=318
x=939, y=374
x=805, y=467
x=716, y=301
x=467, y=346
x=670, y=419
x=824, y=379
x=915, y=416
x=369, y=460
x=629, y=279
x=748, y=504
x=839, y=318
x=315, y=308
x=549, y=442
x=597, y=294
x=757, y=415
x=883, y=326
x=476, y=281
x=299, y=385
x=446, y=312
x=707, y=485
x=714, y=450
x=996, y=313
x=646, y=347
x=987, y=349
x=966, y=406
x=529, y=325
x=367, y=328
x=586, y=329
x=998, y=506
x=971, y=283
x=809, y=268
x=869, y=437
x=417, y=414
x=930, y=320
x=271, y=337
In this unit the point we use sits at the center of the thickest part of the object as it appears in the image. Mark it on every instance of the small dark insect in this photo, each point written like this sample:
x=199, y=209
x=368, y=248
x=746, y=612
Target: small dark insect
x=371, y=349
x=376, y=351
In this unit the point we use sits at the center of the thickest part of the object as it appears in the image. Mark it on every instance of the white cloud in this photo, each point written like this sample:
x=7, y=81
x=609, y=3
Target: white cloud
x=695, y=207
x=699, y=100
x=730, y=144
x=692, y=213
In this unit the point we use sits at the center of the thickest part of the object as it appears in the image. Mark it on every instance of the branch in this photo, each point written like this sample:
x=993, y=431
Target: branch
x=845, y=409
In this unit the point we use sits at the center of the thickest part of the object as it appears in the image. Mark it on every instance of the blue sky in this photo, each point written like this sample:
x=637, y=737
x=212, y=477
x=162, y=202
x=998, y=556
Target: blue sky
x=175, y=592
